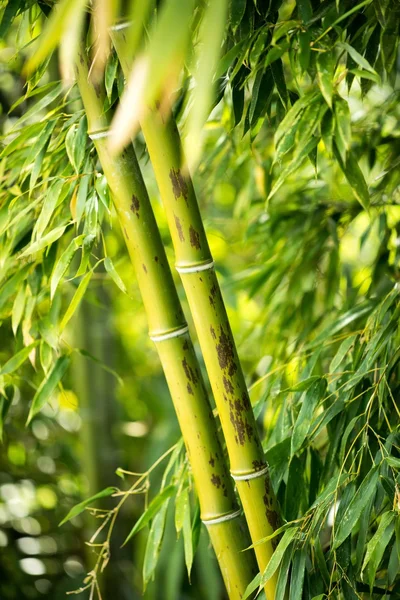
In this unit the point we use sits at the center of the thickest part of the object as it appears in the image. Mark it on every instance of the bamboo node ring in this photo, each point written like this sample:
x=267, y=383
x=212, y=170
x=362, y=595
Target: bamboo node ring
x=96, y=135
x=171, y=334
x=122, y=25
x=253, y=475
x=228, y=517
x=195, y=268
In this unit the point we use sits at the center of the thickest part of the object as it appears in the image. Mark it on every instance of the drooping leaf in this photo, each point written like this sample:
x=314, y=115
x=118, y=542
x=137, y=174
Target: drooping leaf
x=18, y=359
x=79, y=508
x=151, y=511
x=325, y=66
x=153, y=545
x=77, y=297
x=356, y=506
x=109, y=266
x=310, y=401
x=48, y=386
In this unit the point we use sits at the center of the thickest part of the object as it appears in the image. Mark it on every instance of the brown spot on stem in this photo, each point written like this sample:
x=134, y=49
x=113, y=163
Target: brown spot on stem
x=211, y=461
x=216, y=480
x=144, y=268
x=190, y=374
x=226, y=353
x=126, y=234
x=227, y=385
x=213, y=332
x=189, y=389
x=194, y=238
x=258, y=465
x=185, y=345
x=156, y=258
x=135, y=205
x=179, y=186
x=179, y=228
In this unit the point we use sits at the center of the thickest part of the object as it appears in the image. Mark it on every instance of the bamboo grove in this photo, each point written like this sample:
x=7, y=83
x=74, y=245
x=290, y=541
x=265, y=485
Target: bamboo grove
x=296, y=475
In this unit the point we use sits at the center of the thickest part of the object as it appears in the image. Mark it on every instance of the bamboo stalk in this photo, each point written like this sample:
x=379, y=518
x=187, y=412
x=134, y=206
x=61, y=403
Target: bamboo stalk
x=168, y=329
x=196, y=267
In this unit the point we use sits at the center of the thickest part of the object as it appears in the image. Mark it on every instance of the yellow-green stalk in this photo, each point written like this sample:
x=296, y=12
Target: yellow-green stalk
x=196, y=268
x=168, y=329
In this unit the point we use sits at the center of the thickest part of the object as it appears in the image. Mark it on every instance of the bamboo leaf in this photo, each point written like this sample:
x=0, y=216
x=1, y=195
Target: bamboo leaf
x=151, y=511
x=48, y=386
x=360, y=60
x=45, y=241
x=18, y=308
x=61, y=266
x=253, y=585
x=293, y=165
x=342, y=127
x=79, y=508
x=325, y=75
x=12, y=285
x=63, y=12
x=354, y=177
x=342, y=352
x=151, y=70
x=378, y=552
x=109, y=267
x=385, y=521
x=293, y=115
x=356, y=506
x=6, y=401
x=297, y=576
x=187, y=530
x=77, y=297
x=18, y=359
x=50, y=202
x=303, y=421
x=277, y=556
x=236, y=11
x=39, y=106
x=80, y=144
x=153, y=545
x=210, y=38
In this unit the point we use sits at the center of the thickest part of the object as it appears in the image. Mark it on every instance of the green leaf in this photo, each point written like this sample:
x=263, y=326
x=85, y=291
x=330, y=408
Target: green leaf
x=293, y=115
x=327, y=129
x=80, y=144
x=62, y=15
x=39, y=106
x=304, y=384
x=12, y=285
x=342, y=127
x=228, y=58
x=18, y=308
x=277, y=556
x=18, y=359
x=253, y=585
x=385, y=521
x=354, y=177
x=109, y=267
x=151, y=511
x=111, y=72
x=342, y=352
x=297, y=576
x=48, y=386
x=45, y=241
x=77, y=297
x=325, y=67
x=377, y=554
x=356, y=506
x=153, y=545
x=293, y=165
x=52, y=197
x=236, y=12
x=79, y=508
x=311, y=399
x=356, y=56
x=61, y=266
x=184, y=510
x=6, y=401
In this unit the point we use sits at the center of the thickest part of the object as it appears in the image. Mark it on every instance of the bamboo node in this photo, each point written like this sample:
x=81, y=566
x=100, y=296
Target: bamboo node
x=170, y=334
x=195, y=268
x=251, y=475
x=222, y=518
x=96, y=135
x=121, y=25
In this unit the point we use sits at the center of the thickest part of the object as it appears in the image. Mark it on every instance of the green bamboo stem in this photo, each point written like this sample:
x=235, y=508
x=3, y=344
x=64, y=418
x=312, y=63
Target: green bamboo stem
x=195, y=265
x=167, y=327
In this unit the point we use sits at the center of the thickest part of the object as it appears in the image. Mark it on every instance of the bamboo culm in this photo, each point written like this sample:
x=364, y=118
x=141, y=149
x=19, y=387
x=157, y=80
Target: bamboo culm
x=168, y=329
x=195, y=265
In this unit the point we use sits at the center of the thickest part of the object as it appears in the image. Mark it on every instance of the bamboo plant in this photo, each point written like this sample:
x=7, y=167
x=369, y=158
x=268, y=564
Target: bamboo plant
x=195, y=265
x=169, y=331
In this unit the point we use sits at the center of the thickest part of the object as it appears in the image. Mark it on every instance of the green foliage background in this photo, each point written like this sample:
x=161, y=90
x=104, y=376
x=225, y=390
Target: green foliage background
x=299, y=187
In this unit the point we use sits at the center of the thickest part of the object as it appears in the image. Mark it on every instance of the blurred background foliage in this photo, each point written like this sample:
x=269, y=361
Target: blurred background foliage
x=309, y=273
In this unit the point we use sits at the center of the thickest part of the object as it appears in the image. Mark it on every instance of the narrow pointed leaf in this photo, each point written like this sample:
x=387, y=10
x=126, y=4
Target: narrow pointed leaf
x=48, y=386
x=79, y=508
x=151, y=511
x=18, y=359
